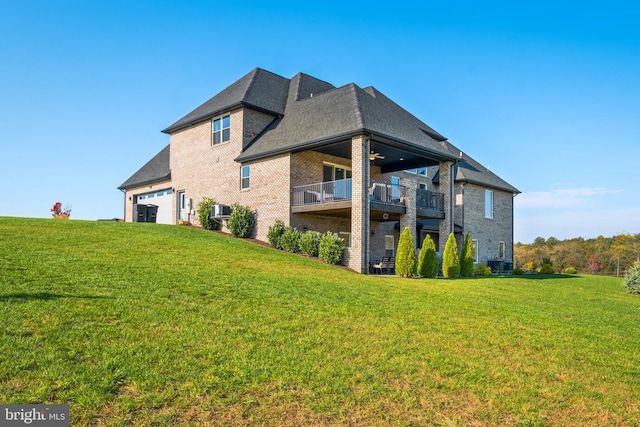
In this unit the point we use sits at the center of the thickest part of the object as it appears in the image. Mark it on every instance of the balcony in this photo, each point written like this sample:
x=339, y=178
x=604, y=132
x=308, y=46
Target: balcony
x=429, y=204
x=387, y=201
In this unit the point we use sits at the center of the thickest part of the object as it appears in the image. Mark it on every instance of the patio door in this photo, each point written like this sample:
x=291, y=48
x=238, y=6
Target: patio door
x=337, y=180
x=389, y=246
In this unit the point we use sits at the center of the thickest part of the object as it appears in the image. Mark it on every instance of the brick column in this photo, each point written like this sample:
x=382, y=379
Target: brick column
x=409, y=187
x=359, y=259
x=446, y=224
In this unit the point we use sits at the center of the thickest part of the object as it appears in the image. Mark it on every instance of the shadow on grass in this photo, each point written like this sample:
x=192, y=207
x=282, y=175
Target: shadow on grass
x=43, y=296
x=530, y=276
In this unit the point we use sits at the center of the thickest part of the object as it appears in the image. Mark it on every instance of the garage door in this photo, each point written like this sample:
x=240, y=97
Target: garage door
x=163, y=199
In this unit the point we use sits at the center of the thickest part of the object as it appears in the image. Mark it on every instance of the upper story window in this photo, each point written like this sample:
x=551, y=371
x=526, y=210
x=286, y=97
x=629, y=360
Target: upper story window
x=419, y=171
x=221, y=130
x=245, y=174
x=488, y=204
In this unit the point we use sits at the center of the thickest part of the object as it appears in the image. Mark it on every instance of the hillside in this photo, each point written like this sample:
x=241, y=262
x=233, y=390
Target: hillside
x=144, y=324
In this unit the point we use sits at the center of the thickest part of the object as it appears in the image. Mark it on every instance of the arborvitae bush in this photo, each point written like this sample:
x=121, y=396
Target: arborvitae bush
x=482, y=270
x=241, y=221
x=290, y=240
x=517, y=272
x=310, y=242
x=204, y=214
x=632, y=279
x=275, y=232
x=406, y=263
x=330, y=248
x=466, y=258
x=450, y=259
x=428, y=259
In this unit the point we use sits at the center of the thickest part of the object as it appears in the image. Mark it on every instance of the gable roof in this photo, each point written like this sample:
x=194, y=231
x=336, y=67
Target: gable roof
x=259, y=89
x=336, y=113
x=469, y=170
x=155, y=170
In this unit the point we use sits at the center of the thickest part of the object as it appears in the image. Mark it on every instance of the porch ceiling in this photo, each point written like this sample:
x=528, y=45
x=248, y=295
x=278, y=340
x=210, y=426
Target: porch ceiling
x=378, y=211
x=396, y=157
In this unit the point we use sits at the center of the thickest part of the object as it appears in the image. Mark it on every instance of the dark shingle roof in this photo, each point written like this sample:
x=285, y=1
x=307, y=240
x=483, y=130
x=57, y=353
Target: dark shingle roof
x=156, y=169
x=260, y=89
x=309, y=112
x=469, y=170
x=338, y=112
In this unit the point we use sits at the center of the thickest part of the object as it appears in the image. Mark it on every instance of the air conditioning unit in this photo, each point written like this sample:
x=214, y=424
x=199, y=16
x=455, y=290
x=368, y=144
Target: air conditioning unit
x=220, y=211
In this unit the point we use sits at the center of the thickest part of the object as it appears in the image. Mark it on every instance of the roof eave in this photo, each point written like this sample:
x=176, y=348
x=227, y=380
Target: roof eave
x=208, y=116
x=125, y=186
x=334, y=138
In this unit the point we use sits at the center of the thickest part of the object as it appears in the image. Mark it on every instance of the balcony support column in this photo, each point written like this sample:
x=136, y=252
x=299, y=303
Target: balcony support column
x=410, y=187
x=446, y=186
x=359, y=251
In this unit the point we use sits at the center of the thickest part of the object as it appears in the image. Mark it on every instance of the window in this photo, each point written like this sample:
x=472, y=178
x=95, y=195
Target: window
x=346, y=237
x=488, y=204
x=332, y=172
x=419, y=171
x=244, y=177
x=474, y=248
x=221, y=130
x=422, y=186
x=501, y=250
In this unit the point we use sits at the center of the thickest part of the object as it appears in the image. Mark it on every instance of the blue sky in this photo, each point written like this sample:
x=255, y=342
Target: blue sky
x=546, y=94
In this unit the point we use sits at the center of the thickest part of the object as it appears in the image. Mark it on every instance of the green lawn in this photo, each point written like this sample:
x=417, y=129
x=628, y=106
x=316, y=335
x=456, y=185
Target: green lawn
x=144, y=324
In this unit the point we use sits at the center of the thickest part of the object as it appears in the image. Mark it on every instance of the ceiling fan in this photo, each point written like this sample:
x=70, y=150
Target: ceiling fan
x=373, y=155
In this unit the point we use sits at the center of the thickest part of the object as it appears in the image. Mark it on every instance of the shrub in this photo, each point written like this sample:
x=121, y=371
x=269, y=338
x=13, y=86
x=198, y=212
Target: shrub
x=275, y=234
x=632, y=278
x=204, y=214
x=406, y=256
x=450, y=259
x=546, y=268
x=310, y=242
x=483, y=270
x=241, y=221
x=428, y=259
x=466, y=258
x=517, y=272
x=290, y=240
x=569, y=270
x=330, y=248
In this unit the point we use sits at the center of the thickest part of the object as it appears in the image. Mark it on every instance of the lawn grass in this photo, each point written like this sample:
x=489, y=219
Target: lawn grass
x=144, y=324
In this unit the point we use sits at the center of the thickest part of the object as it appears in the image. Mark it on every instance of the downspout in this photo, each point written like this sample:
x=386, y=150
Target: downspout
x=513, y=254
x=452, y=204
x=124, y=207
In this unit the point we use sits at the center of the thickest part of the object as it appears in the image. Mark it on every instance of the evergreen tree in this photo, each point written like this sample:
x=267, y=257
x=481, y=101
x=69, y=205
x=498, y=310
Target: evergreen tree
x=450, y=259
x=406, y=257
x=466, y=258
x=428, y=259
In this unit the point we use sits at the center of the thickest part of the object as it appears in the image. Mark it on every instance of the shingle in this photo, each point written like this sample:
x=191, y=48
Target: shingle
x=259, y=89
x=156, y=169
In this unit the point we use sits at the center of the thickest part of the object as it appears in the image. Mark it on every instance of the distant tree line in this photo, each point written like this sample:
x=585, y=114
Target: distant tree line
x=604, y=255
